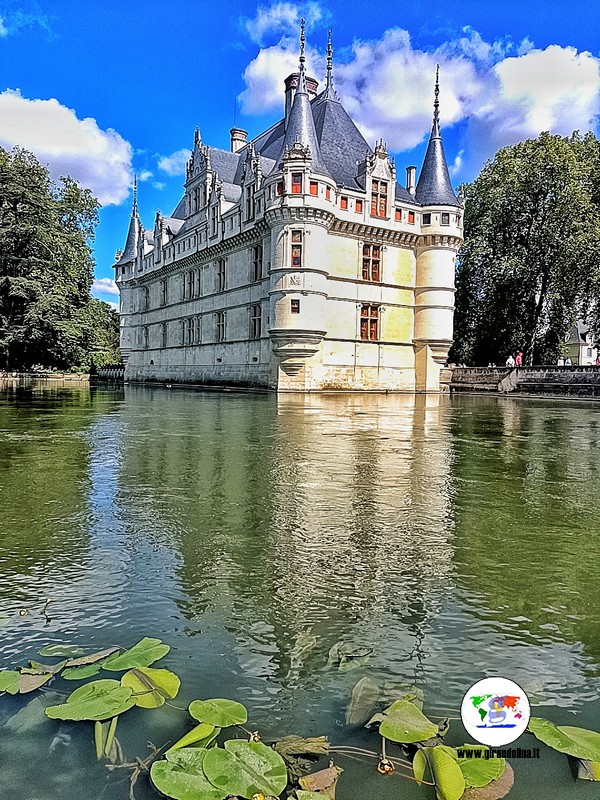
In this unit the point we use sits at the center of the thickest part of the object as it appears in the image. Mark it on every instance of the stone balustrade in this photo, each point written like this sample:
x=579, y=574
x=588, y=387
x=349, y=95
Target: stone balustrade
x=574, y=381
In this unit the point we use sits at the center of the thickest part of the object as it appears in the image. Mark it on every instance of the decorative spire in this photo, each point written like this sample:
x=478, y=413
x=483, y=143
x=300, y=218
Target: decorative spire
x=134, y=209
x=435, y=130
x=434, y=186
x=133, y=233
x=302, y=59
x=330, y=92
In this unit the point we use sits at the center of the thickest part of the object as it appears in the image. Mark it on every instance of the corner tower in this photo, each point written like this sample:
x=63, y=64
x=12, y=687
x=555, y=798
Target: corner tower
x=124, y=266
x=441, y=236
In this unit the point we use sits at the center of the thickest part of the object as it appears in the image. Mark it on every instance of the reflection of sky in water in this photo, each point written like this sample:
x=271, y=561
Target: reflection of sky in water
x=253, y=535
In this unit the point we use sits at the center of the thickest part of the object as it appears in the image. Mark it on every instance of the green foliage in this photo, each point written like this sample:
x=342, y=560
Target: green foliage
x=151, y=687
x=447, y=774
x=97, y=700
x=142, y=654
x=403, y=722
x=47, y=316
x=577, y=742
x=530, y=262
x=183, y=779
x=245, y=768
x=220, y=713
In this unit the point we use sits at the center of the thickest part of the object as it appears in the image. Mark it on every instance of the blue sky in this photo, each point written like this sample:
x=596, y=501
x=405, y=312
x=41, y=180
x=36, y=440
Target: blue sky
x=101, y=90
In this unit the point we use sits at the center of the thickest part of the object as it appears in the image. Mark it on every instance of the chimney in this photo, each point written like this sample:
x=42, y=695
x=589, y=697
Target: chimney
x=291, y=83
x=239, y=139
x=410, y=180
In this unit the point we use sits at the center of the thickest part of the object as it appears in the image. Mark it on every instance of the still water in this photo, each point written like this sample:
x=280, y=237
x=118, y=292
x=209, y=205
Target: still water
x=456, y=537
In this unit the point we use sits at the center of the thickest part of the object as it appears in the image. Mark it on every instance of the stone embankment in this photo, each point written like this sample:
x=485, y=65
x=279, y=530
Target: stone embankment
x=573, y=381
x=77, y=377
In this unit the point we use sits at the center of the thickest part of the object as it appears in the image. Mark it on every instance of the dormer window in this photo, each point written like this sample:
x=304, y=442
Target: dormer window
x=296, y=183
x=379, y=193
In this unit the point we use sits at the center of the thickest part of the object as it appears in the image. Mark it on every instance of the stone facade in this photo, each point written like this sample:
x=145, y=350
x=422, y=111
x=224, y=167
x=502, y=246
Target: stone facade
x=294, y=265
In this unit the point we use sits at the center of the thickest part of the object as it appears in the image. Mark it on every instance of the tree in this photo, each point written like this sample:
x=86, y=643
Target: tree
x=530, y=264
x=46, y=264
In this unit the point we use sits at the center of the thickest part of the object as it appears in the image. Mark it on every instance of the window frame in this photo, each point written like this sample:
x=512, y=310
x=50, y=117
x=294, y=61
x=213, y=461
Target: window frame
x=371, y=262
x=379, y=198
x=370, y=316
x=256, y=321
x=257, y=262
x=221, y=322
x=294, y=306
x=221, y=275
x=297, y=248
x=297, y=182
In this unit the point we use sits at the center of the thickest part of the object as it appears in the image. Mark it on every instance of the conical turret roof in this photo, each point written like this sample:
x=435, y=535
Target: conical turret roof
x=133, y=233
x=434, y=186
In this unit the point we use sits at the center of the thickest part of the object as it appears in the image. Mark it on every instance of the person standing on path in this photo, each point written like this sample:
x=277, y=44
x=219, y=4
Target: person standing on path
x=519, y=359
x=510, y=362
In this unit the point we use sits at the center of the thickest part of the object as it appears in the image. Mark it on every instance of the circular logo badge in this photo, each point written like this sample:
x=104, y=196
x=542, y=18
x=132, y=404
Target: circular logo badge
x=495, y=711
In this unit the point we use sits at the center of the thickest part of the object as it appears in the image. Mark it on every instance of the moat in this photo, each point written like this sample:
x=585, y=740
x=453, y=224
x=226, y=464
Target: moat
x=455, y=537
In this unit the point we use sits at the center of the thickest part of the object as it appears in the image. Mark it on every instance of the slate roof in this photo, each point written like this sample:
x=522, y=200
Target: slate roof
x=434, y=186
x=131, y=242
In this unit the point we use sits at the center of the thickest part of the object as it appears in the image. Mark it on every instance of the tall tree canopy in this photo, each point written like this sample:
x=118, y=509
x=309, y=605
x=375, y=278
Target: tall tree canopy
x=47, y=316
x=530, y=263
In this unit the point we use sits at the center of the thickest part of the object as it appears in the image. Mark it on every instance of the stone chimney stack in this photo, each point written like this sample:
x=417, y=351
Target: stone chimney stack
x=239, y=139
x=410, y=180
x=291, y=84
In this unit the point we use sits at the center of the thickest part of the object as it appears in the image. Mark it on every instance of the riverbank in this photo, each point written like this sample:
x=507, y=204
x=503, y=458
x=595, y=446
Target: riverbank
x=12, y=377
x=550, y=381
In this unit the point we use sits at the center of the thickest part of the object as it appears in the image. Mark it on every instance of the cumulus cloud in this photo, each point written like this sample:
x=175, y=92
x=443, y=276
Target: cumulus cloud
x=14, y=21
x=105, y=286
x=500, y=92
x=145, y=175
x=98, y=159
x=281, y=19
x=175, y=163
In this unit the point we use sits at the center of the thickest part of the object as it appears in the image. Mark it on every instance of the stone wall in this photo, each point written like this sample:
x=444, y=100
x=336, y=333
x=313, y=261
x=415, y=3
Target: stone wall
x=573, y=381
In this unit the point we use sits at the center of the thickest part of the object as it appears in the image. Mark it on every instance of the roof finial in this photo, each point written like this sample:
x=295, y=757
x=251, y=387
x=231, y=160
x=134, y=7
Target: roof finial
x=329, y=59
x=302, y=59
x=435, y=131
x=134, y=209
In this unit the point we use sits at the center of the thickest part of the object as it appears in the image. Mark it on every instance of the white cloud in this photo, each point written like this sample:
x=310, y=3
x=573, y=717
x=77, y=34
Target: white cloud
x=280, y=19
x=13, y=21
x=145, y=175
x=3, y=28
x=159, y=185
x=175, y=163
x=501, y=91
x=105, y=286
x=112, y=304
x=98, y=159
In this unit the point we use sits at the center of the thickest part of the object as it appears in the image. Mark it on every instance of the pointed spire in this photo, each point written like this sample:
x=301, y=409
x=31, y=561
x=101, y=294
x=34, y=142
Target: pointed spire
x=133, y=232
x=330, y=92
x=302, y=59
x=434, y=186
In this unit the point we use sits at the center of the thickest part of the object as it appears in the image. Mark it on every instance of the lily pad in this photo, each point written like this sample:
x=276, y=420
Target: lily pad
x=181, y=777
x=29, y=683
x=245, y=769
x=323, y=781
x=35, y=668
x=61, y=650
x=480, y=771
x=200, y=736
x=577, y=742
x=220, y=713
x=151, y=687
x=142, y=654
x=363, y=701
x=9, y=681
x=588, y=770
x=403, y=722
x=302, y=795
x=98, y=700
x=494, y=790
x=99, y=655
x=447, y=775
x=79, y=673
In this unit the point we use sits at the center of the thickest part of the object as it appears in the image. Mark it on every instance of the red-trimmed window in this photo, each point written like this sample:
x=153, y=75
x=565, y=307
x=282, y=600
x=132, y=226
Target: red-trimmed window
x=314, y=188
x=328, y=192
x=358, y=206
x=371, y=263
x=295, y=306
x=369, y=322
x=279, y=188
x=411, y=217
x=297, y=249
x=379, y=198
x=398, y=215
x=296, y=183
x=343, y=202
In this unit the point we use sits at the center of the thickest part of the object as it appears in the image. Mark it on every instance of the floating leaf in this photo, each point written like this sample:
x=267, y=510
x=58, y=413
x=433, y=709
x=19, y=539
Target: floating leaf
x=394, y=691
x=35, y=668
x=142, y=654
x=479, y=771
x=302, y=795
x=29, y=683
x=78, y=673
x=305, y=642
x=577, y=742
x=200, y=736
x=298, y=753
x=61, y=650
x=220, y=713
x=363, y=701
x=588, y=770
x=494, y=790
x=323, y=781
x=31, y=716
x=151, y=687
x=245, y=769
x=92, y=658
x=181, y=777
x=403, y=722
x=447, y=775
x=9, y=681
x=96, y=701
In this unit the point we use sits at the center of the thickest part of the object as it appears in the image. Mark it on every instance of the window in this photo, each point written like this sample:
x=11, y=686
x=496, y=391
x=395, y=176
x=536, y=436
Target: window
x=398, y=215
x=122, y=270
x=296, y=248
x=328, y=192
x=411, y=217
x=314, y=188
x=589, y=352
x=445, y=218
x=189, y=330
x=250, y=201
x=190, y=284
x=198, y=330
x=257, y=256
x=371, y=264
x=145, y=337
x=220, y=326
x=221, y=275
x=358, y=206
x=343, y=202
x=213, y=221
x=296, y=183
x=379, y=198
x=164, y=334
x=369, y=322
x=145, y=298
x=295, y=306
x=198, y=282
x=426, y=219
x=256, y=321
x=279, y=188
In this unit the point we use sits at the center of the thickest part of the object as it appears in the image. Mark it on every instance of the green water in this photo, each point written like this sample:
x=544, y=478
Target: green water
x=458, y=538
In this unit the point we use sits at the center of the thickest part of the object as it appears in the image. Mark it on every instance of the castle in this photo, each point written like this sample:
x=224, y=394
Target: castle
x=296, y=261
